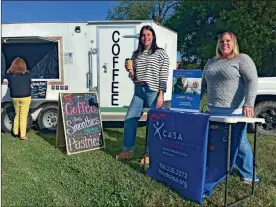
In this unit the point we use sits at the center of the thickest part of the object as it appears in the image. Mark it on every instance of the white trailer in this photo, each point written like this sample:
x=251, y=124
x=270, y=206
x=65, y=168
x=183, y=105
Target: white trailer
x=79, y=57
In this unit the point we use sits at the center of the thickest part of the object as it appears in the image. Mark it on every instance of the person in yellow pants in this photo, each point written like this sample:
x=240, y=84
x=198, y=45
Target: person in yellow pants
x=20, y=91
x=21, y=106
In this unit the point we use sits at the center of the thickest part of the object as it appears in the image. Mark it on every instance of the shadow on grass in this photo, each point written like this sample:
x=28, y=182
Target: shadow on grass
x=50, y=137
x=234, y=186
x=119, y=124
x=113, y=146
x=238, y=201
x=212, y=203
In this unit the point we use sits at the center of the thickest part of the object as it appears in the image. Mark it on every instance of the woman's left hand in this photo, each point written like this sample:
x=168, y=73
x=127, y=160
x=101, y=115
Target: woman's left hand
x=248, y=111
x=160, y=100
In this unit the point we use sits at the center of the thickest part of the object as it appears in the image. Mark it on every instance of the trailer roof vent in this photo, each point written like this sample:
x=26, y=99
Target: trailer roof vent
x=77, y=29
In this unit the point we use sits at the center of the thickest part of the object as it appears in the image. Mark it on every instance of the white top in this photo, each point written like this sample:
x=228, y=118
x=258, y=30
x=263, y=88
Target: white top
x=235, y=119
x=230, y=119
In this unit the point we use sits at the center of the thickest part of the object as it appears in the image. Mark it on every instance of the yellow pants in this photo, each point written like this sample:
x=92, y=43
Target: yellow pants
x=21, y=106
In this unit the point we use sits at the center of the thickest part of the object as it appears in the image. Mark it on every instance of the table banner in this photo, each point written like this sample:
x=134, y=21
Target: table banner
x=217, y=152
x=177, y=149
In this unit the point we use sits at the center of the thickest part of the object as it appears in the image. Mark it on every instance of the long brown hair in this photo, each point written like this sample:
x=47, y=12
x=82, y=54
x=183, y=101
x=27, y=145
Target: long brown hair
x=18, y=66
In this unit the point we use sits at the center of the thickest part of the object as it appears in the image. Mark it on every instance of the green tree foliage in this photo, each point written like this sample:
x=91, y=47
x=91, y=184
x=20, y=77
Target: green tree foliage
x=142, y=10
x=254, y=23
x=195, y=23
x=199, y=23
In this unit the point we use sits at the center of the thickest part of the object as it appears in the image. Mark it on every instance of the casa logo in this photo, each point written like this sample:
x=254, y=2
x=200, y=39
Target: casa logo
x=162, y=132
x=158, y=116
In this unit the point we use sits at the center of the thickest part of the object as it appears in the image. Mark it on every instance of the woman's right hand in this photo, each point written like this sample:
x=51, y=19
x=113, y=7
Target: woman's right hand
x=126, y=66
x=131, y=73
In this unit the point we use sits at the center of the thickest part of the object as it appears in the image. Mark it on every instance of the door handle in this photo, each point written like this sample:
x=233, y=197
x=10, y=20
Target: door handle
x=105, y=68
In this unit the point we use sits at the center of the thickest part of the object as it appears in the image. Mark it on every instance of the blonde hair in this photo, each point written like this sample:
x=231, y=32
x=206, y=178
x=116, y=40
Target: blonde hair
x=235, y=51
x=18, y=66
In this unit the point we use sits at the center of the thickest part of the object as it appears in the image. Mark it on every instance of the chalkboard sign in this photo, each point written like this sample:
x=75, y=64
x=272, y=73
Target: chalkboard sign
x=38, y=89
x=79, y=125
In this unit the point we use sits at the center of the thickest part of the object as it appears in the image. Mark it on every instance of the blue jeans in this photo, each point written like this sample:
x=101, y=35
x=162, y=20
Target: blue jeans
x=244, y=159
x=143, y=97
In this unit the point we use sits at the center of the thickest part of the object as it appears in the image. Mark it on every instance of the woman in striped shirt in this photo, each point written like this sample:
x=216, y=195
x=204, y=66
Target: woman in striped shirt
x=149, y=74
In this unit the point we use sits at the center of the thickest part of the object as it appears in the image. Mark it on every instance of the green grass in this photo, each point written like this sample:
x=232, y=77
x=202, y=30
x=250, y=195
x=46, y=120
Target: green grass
x=35, y=173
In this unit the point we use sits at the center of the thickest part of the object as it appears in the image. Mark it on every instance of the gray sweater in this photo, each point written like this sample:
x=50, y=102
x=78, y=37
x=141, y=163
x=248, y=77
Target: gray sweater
x=230, y=83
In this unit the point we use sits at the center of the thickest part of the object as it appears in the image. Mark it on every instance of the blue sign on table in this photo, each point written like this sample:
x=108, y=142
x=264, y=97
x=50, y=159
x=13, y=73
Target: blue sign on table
x=177, y=150
x=186, y=90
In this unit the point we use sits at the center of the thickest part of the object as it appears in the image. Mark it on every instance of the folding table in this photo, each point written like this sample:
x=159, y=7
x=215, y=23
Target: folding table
x=230, y=120
x=234, y=120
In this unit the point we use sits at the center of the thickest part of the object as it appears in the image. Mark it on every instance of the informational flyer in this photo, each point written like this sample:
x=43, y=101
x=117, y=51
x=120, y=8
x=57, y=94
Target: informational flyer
x=186, y=90
x=68, y=58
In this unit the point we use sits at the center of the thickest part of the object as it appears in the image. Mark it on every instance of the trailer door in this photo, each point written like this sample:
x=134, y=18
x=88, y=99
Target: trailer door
x=115, y=44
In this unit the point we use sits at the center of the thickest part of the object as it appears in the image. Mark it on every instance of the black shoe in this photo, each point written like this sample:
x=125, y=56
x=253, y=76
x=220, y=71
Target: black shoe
x=15, y=135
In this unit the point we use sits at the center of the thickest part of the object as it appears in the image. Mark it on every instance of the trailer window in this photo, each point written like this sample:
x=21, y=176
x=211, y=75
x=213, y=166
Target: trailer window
x=40, y=55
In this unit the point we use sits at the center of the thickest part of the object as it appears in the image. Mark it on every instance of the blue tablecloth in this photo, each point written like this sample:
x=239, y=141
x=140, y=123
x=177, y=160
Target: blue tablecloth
x=180, y=155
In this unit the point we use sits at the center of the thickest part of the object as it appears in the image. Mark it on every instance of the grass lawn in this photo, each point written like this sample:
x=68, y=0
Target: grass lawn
x=35, y=173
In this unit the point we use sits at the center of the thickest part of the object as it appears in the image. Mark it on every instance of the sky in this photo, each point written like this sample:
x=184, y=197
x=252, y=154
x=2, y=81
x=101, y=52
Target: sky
x=55, y=11
x=44, y=11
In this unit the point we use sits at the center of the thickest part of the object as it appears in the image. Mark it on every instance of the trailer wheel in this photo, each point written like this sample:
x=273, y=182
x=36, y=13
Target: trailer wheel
x=48, y=118
x=267, y=111
x=7, y=117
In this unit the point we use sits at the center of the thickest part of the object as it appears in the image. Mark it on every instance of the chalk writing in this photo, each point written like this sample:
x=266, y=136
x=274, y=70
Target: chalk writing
x=82, y=122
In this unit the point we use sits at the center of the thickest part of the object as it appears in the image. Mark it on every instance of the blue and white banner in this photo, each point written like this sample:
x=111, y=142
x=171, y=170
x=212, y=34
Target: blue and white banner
x=184, y=156
x=177, y=149
x=186, y=90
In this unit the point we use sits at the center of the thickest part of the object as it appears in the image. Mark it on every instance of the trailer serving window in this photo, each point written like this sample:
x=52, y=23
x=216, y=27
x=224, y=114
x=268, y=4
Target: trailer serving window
x=40, y=54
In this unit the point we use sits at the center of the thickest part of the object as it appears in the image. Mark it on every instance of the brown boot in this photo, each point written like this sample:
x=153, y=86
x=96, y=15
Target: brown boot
x=124, y=155
x=145, y=159
x=24, y=138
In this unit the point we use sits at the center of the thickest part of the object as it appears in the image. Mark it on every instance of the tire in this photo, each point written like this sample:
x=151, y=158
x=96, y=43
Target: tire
x=7, y=117
x=48, y=118
x=267, y=111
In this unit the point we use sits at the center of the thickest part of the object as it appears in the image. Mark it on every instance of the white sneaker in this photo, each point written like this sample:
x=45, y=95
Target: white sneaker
x=248, y=181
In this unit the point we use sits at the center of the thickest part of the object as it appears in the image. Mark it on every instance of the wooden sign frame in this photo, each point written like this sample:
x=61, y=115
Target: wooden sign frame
x=61, y=136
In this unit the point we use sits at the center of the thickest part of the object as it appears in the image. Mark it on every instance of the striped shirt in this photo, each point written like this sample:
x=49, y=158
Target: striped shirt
x=152, y=69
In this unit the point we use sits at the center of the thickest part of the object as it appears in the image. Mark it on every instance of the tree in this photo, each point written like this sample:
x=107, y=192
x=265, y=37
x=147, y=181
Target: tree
x=199, y=23
x=254, y=23
x=142, y=10
x=197, y=32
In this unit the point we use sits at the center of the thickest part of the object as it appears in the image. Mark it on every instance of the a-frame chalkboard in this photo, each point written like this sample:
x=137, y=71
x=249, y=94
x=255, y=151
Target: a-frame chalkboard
x=79, y=122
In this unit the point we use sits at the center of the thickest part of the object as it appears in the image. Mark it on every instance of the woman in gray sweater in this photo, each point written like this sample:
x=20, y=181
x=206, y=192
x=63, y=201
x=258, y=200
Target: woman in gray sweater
x=231, y=82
